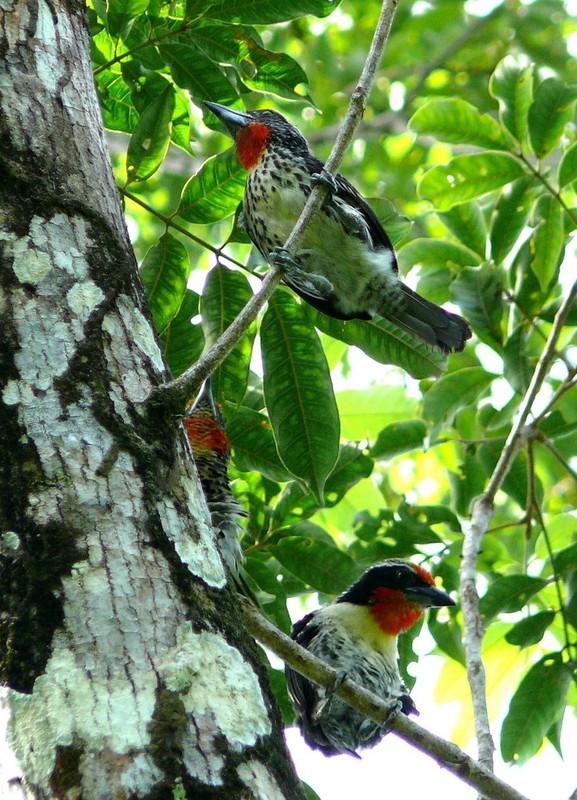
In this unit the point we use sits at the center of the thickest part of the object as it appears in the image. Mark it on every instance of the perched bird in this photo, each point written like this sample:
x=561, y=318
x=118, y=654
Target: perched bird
x=210, y=445
x=357, y=635
x=345, y=243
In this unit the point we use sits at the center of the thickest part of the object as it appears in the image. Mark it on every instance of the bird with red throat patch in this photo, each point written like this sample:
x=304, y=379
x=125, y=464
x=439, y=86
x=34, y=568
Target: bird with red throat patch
x=357, y=635
x=346, y=265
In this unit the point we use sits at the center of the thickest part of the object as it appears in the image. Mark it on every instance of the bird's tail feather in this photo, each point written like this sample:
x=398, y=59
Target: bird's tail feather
x=430, y=322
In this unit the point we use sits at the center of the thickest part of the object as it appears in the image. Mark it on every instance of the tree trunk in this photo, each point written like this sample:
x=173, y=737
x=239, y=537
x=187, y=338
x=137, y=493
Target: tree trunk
x=128, y=672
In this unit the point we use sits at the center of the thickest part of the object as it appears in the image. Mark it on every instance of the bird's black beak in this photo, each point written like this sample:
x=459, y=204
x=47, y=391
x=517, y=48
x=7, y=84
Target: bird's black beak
x=234, y=120
x=429, y=596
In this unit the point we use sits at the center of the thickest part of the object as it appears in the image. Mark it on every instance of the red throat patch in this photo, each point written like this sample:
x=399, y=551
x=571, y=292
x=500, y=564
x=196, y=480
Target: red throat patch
x=392, y=611
x=251, y=144
x=206, y=435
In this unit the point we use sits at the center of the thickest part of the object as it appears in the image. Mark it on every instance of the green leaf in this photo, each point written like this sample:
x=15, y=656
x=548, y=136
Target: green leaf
x=254, y=447
x=149, y=143
x=530, y=631
x=547, y=242
x=510, y=216
x=383, y=342
x=517, y=365
x=121, y=13
x=432, y=252
x=552, y=109
x=509, y=593
x=351, y=467
x=215, y=191
x=566, y=559
x=467, y=483
x=298, y=393
x=469, y=176
x=364, y=411
x=512, y=85
x=263, y=12
x=399, y=437
x=479, y=294
x=226, y=293
x=192, y=70
x=182, y=341
x=164, y=274
x=459, y=122
x=318, y=562
x=538, y=701
x=448, y=637
x=264, y=71
x=568, y=166
x=454, y=391
x=467, y=223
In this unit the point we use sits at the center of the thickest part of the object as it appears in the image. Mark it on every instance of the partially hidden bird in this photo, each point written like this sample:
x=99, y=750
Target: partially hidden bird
x=346, y=265
x=206, y=431
x=357, y=635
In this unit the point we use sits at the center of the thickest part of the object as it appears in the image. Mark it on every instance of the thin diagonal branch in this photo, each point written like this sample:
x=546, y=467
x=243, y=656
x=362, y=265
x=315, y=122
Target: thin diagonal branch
x=176, y=394
x=481, y=518
x=445, y=753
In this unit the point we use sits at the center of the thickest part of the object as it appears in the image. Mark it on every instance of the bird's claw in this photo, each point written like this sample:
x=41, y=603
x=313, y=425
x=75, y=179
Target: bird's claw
x=294, y=272
x=326, y=179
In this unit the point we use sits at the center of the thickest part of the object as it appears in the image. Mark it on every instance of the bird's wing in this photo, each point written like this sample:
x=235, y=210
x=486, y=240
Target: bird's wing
x=303, y=693
x=371, y=229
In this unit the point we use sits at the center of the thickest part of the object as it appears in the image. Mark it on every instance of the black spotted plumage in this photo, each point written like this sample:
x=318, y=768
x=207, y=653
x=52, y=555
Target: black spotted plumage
x=357, y=636
x=345, y=243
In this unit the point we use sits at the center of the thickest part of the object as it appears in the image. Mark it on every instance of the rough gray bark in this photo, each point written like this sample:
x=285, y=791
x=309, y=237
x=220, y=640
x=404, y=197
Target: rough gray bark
x=129, y=673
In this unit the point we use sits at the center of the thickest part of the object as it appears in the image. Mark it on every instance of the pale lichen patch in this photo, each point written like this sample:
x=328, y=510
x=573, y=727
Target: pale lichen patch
x=218, y=688
x=259, y=780
x=195, y=548
x=68, y=706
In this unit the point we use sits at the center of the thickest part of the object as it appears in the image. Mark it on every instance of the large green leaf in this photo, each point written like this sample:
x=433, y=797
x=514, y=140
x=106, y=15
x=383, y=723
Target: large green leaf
x=298, y=393
x=149, y=142
x=192, y=70
x=215, y=191
x=384, y=342
x=399, y=437
x=316, y=561
x=454, y=391
x=538, y=701
x=510, y=216
x=467, y=177
x=568, y=166
x=459, y=122
x=509, y=593
x=297, y=503
x=226, y=293
x=467, y=222
x=530, y=630
x=512, y=85
x=547, y=242
x=479, y=293
x=254, y=447
x=164, y=275
x=183, y=341
x=431, y=252
x=363, y=412
x=552, y=109
x=264, y=12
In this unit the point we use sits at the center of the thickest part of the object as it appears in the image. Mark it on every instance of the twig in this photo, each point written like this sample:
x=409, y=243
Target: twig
x=445, y=753
x=478, y=526
x=177, y=393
